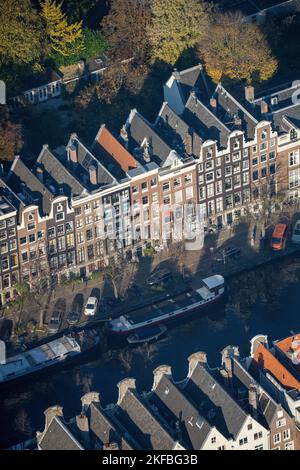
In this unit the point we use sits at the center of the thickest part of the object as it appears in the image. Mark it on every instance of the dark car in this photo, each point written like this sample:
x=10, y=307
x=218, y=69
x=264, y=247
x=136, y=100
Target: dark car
x=55, y=322
x=158, y=277
x=73, y=317
x=228, y=252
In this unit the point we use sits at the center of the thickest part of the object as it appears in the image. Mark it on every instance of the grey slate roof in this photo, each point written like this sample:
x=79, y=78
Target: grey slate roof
x=228, y=107
x=57, y=174
x=205, y=123
x=180, y=413
x=37, y=191
x=175, y=130
x=193, y=78
x=59, y=437
x=139, y=129
x=214, y=402
x=142, y=424
x=102, y=426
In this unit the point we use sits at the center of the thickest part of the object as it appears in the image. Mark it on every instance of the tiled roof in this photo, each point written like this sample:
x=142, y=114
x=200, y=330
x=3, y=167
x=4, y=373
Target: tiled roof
x=264, y=359
x=179, y=412
x=214, y=402
x=39, y=193
x=102, y=426
x=111, y=151
x=139, y=130
x=59, y=437
x=141, y=423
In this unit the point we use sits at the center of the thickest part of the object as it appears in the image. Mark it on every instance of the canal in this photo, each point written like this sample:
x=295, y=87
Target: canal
x=265, y=300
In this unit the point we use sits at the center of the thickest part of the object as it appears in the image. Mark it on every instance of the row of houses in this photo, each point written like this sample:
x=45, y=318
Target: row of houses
x=207, y=157
x=246, y=404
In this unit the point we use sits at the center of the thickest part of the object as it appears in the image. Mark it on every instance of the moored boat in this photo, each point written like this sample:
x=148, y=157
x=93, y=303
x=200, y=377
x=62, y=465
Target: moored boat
x=55, y=353
x=147, y=334
x=210, y=290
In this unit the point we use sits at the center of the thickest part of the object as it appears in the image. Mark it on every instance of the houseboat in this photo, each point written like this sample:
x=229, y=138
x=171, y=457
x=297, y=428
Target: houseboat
x=210, y=291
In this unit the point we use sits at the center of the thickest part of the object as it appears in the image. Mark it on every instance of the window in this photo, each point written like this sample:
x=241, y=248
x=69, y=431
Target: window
x=294, y=179
x=32, y=238
x=178, y=196
x=77, y=210
x=272, y=169
x=236, y=156
x=210, y=176
x=23, y=240
x=237, y=180
x=254, y=161
x=218, y=173
x=280, y=423
x=61, y=243
x=221, y=448
x=289, y=445
x=24, y=256
x=59, y=216
x=87, y=207
x=264, y=135
x=69, y=227
x=145, y=200
x=153, y=182
x=211, y=208
x=243, y=441
x=286, y=434
x=236, y=144
x=293, y=134
x=229, y=202
x=80, y=237
x=263, y=172
x=3, y=247
x=213, y=440
x=294, y=158
x=219, y=204
x=189, y=192
x=228, y=184
x=177, y=182
x=60, y=229
x=88, y=219
x=246, y=178
x=202, y=193
x=209, y=165
x=218, y=161
x=257, y=435
x=166, y=186
x=40, y=234
x=272, y=155
x=272, y=142
x=228, y=170
x=277, y=438
x=144, y=186
x=263, y=158
x=254, y=148
x=236, y=168
x=255, y=175
x=188, y=178
x=218, y=187
x=260, y=447
x=210, y=190
x=237, y=201
x=263, y=146
x=246, y=152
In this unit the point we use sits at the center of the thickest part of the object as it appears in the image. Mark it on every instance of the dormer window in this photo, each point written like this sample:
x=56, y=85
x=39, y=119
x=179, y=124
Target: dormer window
x=236, y=144
x=274, y=101
x=264, y=135
x=293, y=134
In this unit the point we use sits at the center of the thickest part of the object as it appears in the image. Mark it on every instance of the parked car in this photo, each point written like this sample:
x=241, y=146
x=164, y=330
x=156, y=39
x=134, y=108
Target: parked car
x=91, y=306
x=73, y=317
x=55, y=322
x=158, y=277
x=279, y=237
x=296, y=232
x=228, y=252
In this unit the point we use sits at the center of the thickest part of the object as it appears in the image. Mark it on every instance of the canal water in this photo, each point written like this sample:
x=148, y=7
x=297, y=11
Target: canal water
x=265, y=300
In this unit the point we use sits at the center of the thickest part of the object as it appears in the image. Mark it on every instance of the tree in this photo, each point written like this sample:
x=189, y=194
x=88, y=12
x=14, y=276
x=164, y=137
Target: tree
x=236, y=49
x=22, y=423
x=11, y=139
x=64, y=38
x=125, y=28
x=176, y=25
x=20, y=32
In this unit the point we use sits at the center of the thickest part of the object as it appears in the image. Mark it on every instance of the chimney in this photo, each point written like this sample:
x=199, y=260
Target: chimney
x=189, y=139
x=110, y=446
x=195, y=359
x=159, y=372
x=124, y=136
x=50, y=413
x=249, y=93
x=264, y=107
x=213, y=104
x=81, y=65
x=123, y=386
x=146, y=152
x=40, y=173
x=72, y=153
x=253, y=402
x=89, y=398
x=93, y=174
x=2, y=352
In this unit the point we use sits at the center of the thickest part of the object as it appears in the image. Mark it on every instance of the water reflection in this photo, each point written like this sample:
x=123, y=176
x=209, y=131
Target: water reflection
x=266, y=300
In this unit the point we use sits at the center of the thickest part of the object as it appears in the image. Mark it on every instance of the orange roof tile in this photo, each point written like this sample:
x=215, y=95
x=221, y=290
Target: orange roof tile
x=113, y=147
x=264, y=359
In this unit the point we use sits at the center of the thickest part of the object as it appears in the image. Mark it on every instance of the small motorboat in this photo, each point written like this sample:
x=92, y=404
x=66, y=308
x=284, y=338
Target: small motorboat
x=147, y=334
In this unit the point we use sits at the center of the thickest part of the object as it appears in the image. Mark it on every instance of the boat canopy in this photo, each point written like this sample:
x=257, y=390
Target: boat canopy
x=214, y=281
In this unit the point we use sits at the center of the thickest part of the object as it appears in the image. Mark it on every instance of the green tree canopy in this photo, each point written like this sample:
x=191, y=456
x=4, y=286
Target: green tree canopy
x=20, y=32
x=64, y=38
x=176, y=26
x=236, y=49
